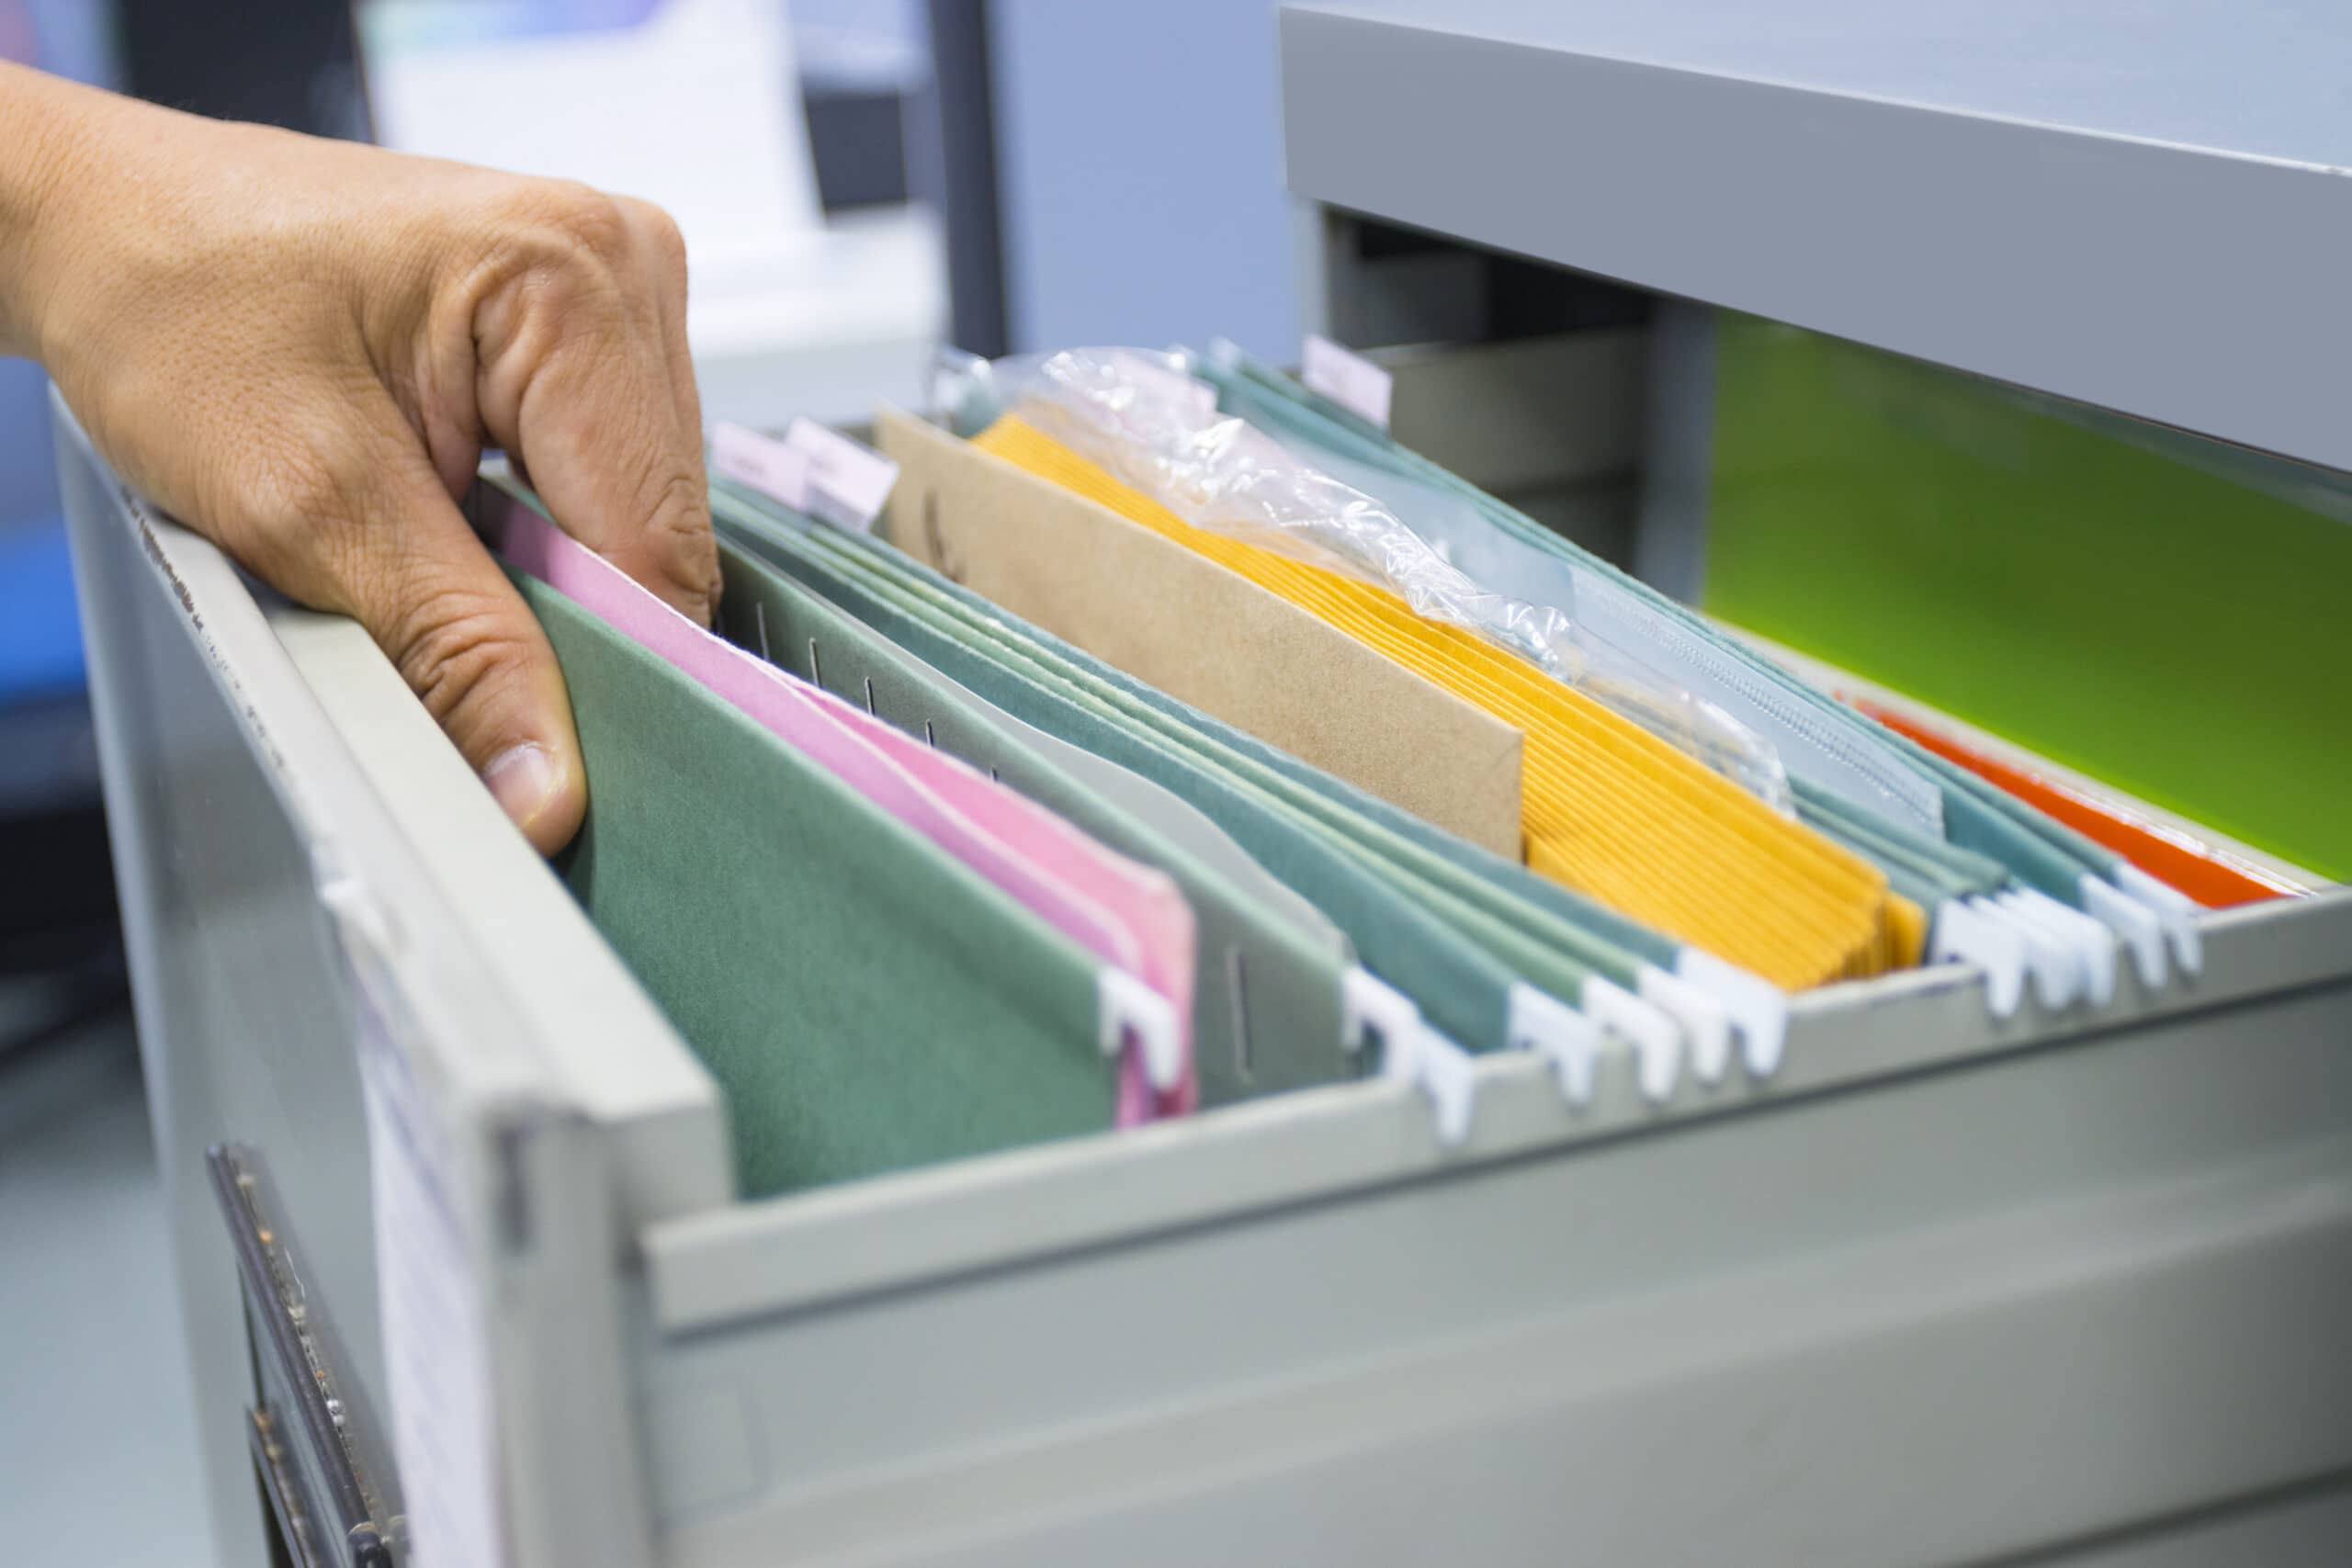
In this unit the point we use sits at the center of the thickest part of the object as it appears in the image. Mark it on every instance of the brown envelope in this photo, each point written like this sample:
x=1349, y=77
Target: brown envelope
x=1154, y=609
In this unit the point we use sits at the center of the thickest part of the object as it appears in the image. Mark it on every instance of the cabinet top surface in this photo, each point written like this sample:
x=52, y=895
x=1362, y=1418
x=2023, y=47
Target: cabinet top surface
x=2251, y=78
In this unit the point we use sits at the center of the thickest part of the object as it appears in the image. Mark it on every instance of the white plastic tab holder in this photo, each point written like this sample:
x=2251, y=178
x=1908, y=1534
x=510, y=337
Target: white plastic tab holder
x=1127, y=1009
x=1544, y=1025
x=761, y=463
x=1346, y=378
x=2093, y=943
x=2090, y=945
x=848, y=482
x=2050, y=960
x=1759, y=1008
x=2131, y=920
x=1963, y=934
x=1655, y=1038
x=1419, y=1055
x=1704, y=1023
x=2176, y=911
x=1368, y=1001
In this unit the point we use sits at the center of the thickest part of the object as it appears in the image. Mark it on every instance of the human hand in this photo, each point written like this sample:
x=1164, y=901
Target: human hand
x=301, y=348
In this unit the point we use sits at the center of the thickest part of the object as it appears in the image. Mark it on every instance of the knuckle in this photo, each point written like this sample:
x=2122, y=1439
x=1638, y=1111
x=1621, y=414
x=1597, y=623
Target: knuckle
x=680, y=527
x=555, y=240
x=458, y=651
x=587, y=222
x=662, y=233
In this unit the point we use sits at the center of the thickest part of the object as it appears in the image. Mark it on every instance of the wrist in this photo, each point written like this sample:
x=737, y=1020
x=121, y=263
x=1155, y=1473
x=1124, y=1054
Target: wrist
x=44, y=178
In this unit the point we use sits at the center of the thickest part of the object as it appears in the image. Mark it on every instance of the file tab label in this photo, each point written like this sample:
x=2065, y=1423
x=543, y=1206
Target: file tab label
x=1346, y=378
x=848, y=482
x=762, y=463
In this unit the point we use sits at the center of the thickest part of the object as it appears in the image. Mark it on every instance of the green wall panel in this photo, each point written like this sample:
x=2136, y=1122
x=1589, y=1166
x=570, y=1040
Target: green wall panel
x=2152, y=622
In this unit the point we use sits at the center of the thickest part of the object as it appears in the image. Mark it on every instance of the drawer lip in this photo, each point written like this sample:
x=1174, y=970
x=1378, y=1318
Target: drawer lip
x=810, y=1251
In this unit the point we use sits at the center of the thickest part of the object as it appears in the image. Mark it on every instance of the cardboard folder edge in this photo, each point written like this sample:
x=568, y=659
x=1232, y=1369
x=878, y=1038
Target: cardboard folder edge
x=1201, y=633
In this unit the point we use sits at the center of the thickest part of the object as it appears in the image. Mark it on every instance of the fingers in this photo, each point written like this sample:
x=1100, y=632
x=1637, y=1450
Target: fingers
x=398, y=557
x=584, y=377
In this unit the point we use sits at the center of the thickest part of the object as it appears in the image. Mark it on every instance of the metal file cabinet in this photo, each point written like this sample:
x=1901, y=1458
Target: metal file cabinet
x=2067, y=1286
x=1943, y=1288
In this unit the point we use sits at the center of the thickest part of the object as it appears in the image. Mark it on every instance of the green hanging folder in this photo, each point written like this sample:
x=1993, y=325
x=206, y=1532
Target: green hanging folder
x=1267, y=1010
x=867, y=1003
x=1460, y=987
x=1461, y=942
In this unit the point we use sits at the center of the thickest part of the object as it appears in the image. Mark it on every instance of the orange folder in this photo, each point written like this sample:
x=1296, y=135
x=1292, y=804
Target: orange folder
x=2213, y=879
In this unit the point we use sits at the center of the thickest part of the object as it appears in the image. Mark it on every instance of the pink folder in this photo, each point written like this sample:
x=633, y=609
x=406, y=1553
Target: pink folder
x=1132, y=917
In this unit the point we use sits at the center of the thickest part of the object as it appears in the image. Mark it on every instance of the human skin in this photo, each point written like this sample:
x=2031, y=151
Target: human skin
x=301, y=348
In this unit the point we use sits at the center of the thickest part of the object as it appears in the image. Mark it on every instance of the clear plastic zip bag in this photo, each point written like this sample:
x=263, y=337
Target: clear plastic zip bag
x=1143, y=417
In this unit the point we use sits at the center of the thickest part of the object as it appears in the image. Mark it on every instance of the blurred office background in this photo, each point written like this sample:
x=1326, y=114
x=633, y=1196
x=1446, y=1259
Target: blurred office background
x=858, y=181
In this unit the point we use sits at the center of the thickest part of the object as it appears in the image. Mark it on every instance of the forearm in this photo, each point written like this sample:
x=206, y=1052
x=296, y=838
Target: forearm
x=52, y=136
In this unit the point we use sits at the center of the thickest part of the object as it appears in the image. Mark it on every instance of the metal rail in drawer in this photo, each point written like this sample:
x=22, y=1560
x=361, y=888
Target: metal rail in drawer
x=307, y=1450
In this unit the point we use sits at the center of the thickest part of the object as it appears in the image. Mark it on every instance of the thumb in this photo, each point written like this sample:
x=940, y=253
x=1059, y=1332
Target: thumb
x=437, y=605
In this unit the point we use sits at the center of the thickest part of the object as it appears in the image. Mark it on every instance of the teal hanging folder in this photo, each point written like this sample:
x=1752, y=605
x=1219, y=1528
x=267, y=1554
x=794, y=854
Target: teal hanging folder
x=866, y=1002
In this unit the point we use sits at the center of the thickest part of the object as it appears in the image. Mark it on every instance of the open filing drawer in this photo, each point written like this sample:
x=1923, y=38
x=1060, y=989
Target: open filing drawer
x=1943, y=1288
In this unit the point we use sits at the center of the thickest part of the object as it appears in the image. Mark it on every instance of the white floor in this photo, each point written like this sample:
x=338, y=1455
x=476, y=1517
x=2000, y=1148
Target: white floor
x=98, y=1433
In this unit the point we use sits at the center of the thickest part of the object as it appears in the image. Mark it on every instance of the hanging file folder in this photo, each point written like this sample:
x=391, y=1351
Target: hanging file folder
x=1269, y=967
x=1609, y=809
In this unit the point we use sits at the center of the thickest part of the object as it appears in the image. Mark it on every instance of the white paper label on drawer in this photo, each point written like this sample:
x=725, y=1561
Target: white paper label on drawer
x=848, y=482
x=1347, y=378
x=762, y=463
x=435, y=1319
